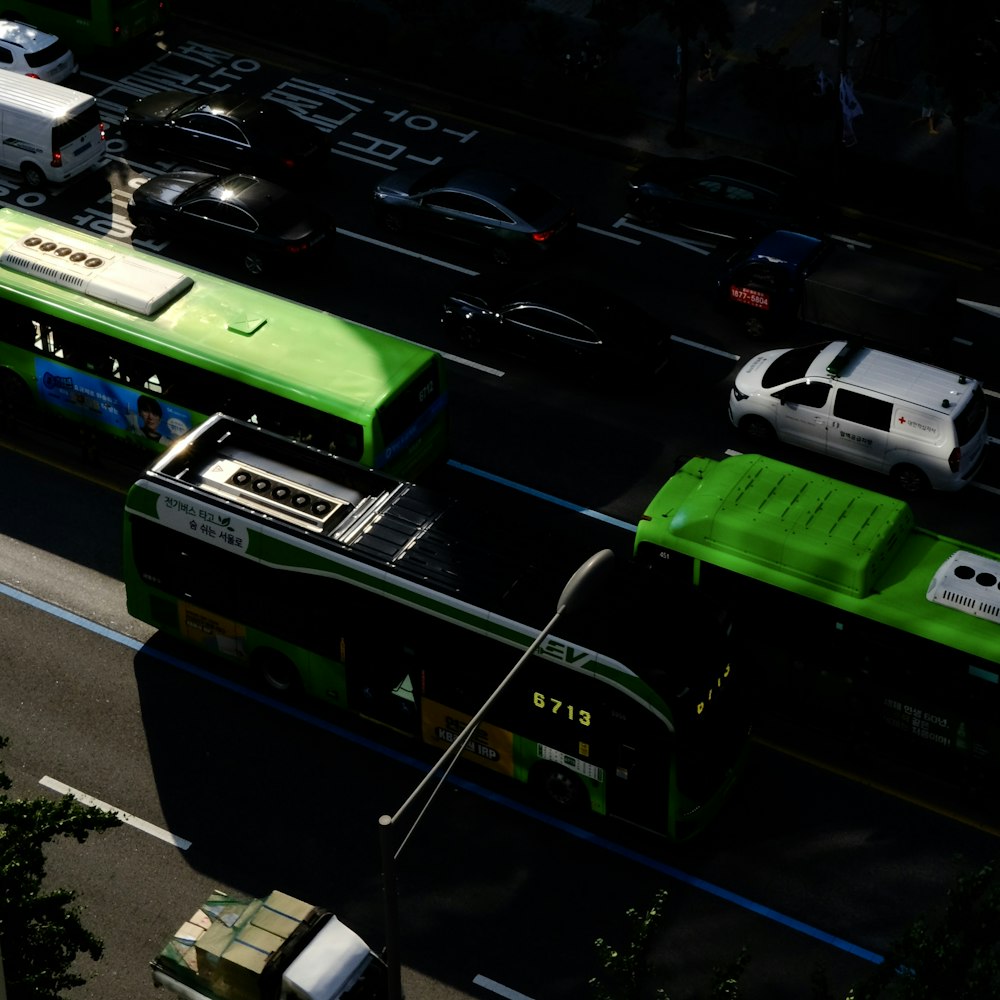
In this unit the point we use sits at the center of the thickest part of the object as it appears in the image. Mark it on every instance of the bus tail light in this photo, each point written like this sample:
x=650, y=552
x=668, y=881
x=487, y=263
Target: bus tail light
x=955, y=459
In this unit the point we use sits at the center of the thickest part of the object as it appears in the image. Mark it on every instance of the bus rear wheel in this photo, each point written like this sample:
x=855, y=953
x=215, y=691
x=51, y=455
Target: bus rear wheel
x=559, y=787
x=15, y=398
x=277, y=672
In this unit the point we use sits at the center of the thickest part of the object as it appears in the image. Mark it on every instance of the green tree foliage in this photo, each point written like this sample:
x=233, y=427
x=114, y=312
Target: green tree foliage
x=953, y=957
x=689, y=20
x=628, y=974
x=41, y=933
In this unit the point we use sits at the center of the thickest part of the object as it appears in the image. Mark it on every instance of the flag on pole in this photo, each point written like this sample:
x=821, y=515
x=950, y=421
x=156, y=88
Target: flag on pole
x=850, y=109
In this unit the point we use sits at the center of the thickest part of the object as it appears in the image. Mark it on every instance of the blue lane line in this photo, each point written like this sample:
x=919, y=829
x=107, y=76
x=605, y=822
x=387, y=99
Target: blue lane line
x=574, y=831
x=586, y=511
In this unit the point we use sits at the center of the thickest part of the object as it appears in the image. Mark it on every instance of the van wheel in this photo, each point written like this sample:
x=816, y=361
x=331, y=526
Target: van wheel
x=910, y=479
x=32, y=176
x=757, y=429
x=277, y=672
x=559, y=787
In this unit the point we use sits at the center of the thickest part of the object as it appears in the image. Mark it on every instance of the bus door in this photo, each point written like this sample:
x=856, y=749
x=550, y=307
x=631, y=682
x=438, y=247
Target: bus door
x=638, y=766
x=383, y=684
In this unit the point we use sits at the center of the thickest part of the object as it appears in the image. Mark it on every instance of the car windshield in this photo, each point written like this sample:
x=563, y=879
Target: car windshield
x=791, y=365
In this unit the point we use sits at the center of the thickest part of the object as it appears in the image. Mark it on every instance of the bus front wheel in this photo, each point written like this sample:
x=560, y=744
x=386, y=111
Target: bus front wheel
x=277, y=672
x=560, y=787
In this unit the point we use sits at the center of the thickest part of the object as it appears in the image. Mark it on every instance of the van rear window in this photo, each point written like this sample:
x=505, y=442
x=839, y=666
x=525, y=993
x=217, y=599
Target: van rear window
x=971, y=418
x=65, y=132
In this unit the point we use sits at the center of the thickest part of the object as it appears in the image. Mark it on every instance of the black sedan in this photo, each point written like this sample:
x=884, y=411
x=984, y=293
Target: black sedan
x=227, y=131
x=722, y=195
x=260, y=222
x=510, y=216
x=561, y=319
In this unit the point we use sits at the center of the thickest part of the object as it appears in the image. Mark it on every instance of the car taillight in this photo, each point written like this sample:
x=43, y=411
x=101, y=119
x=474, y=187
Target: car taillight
x=288, y=163
x=34, y=76
x=297, y=247
x=955, y=459
x=56, y=158
x=542, y=237
x=104, y=134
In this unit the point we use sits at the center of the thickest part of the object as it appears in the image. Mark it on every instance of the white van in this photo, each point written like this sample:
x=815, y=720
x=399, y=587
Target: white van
x=48, y=133
x=922, y=425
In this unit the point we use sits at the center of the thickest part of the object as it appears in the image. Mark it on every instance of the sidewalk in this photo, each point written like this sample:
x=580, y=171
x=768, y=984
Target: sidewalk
x=896, y=165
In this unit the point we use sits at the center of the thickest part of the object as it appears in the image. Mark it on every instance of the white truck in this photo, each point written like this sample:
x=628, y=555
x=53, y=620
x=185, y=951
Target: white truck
x=277, y=948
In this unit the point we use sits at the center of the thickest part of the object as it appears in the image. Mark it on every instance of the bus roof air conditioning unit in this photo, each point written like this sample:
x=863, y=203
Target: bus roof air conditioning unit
x=307, y=508
x=969, y=583
x=141, y=286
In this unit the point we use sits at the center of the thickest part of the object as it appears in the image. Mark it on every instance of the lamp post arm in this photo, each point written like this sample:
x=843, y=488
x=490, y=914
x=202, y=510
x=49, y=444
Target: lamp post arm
x=575, y=591
x=446, y=761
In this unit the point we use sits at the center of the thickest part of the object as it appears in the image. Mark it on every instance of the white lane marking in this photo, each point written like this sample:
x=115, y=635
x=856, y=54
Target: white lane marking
x=405, y=252
x=614, y=236
x=361, y=159
x=139, y=824
x=704, y=347
x=697, y=246
x=499, y=989
x=983, y=307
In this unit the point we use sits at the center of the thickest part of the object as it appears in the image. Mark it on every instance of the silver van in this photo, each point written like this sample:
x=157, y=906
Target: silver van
x=48, y=133
x=924, y=426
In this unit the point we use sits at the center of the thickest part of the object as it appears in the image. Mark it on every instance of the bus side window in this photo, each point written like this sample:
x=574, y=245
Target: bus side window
x=18, y=328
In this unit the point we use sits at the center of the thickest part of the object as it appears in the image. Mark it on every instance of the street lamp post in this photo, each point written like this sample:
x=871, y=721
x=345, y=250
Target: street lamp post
x=573, y=594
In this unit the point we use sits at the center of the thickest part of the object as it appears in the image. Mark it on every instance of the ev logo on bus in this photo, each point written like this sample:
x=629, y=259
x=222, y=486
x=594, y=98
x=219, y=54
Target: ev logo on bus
x=715, y=687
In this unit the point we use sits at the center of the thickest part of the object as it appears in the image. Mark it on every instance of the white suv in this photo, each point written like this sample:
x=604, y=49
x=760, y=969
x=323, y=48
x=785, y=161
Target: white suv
x=922, y=425
x=24, y=49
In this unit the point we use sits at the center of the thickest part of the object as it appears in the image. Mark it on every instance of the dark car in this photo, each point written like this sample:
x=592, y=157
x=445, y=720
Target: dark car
x=255, y=219
x=510, y=216
x=560, y=318
x=228, y=131
x=724, y=195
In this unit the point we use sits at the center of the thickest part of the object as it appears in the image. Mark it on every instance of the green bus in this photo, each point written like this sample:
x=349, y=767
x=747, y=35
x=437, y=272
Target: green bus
x=117, y=345
x=322, y=578
x=92, y=25
x=852, y=612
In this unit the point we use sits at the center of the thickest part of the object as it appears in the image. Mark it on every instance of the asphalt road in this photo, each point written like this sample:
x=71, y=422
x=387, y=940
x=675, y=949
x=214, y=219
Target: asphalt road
x=802, y=850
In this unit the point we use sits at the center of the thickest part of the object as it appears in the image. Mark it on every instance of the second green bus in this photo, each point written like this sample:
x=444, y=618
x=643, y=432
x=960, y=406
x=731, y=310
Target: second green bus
x=111, y=340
